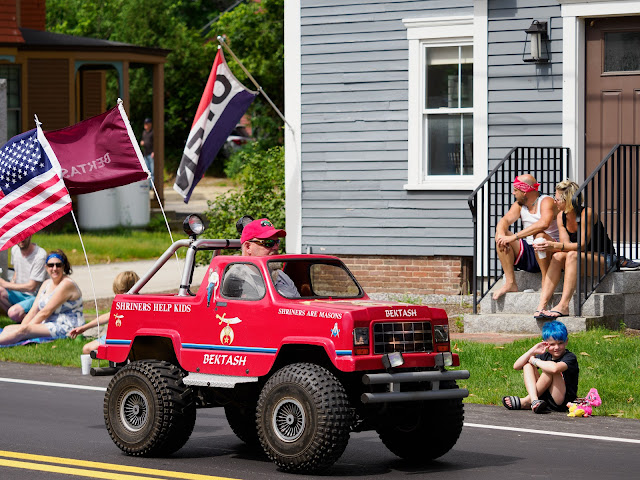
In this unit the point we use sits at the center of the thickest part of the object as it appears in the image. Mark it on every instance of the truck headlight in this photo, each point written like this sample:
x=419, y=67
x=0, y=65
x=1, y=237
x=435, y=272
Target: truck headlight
x=361, y=340
x=441, y=333
x=193, y=225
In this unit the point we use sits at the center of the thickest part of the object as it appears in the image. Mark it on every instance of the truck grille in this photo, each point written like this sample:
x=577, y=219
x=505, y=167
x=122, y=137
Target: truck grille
x=402, y=337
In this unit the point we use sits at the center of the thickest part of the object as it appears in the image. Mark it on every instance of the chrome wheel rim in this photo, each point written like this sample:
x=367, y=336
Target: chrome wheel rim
x=134, y=410
x=288, y=420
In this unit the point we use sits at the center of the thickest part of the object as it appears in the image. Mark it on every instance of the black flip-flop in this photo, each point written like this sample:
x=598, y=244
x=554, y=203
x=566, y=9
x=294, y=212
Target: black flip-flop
x=540, y=316
x=539, y=406
x=515, y=403
x=559, y=315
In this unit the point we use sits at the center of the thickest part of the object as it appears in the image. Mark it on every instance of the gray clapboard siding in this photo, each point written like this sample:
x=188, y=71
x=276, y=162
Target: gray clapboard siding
x=353, y=79
x=377, y=67
x=337, y=87
x=399, y=34
x=374, y=125
x=354, y=117
x=354, y=74
x=346, y=158
x=337, y=214
x=526, y=141
x=329, y=146
x=349, y=107
x=517, y=107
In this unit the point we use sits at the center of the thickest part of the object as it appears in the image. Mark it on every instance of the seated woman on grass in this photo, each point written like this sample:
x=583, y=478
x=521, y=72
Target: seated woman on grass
x=121, y=284
x=56, y=310
x=565, y=251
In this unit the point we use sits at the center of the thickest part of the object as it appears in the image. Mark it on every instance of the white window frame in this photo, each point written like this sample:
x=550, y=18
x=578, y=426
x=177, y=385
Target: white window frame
x=447, y=31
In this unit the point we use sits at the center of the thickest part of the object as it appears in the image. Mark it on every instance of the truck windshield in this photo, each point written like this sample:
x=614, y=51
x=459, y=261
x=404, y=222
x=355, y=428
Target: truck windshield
x=316, y=278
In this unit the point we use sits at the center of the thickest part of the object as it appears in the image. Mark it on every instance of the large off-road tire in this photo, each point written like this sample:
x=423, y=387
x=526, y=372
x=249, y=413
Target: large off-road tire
x=423, y=431
x=148, y=411
x=242, y=421
x=303, y=418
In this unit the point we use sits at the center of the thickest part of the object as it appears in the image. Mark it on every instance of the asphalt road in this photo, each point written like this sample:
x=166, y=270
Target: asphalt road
x=50, y=430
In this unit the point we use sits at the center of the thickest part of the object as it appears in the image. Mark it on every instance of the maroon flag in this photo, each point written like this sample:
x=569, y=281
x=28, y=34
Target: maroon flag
x=97, y=153
x=32, y=194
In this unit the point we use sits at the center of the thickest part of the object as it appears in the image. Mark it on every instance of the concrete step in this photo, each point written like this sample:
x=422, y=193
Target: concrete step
x=519, y=303
x=621, y=282
x=521, y=323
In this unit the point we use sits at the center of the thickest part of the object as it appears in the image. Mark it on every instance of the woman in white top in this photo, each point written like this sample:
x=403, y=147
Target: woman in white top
x=57, y=309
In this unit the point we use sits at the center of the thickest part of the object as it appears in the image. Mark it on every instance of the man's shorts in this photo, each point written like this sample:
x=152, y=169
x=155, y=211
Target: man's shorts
x=527, y=259
x=25, y=300
x=547, y=397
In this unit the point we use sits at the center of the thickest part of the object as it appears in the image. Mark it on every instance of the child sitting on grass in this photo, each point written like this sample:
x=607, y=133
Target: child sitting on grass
x=557, y=383
x=121, y=284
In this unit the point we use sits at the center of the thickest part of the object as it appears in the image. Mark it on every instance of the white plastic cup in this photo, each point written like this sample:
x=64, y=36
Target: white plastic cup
x=85, y=361
x=541, y=254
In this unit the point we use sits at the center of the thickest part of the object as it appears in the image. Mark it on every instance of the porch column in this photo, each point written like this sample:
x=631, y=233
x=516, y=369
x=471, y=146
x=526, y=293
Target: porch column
x=125, y=87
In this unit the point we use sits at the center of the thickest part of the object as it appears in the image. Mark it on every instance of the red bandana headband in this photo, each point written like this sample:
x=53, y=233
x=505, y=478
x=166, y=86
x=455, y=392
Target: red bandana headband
x=525, y=187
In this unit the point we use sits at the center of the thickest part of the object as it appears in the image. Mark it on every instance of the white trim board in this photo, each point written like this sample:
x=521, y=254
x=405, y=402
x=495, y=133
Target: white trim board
x=292, y=140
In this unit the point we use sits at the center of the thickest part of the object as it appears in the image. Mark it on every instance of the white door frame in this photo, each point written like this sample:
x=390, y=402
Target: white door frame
x=573, y=70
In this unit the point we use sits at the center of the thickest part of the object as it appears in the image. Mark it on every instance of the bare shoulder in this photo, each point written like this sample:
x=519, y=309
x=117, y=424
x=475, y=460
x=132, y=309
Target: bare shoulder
x=547, y=202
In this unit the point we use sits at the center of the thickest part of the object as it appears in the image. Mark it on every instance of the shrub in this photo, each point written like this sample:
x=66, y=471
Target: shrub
x=261, y=192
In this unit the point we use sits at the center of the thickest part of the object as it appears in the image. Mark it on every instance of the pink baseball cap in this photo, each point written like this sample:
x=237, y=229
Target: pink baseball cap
x=262, y=229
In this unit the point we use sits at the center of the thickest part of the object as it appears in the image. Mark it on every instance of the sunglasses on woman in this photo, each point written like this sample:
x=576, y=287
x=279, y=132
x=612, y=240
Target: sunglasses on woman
x=54, y=265
x=267, y=243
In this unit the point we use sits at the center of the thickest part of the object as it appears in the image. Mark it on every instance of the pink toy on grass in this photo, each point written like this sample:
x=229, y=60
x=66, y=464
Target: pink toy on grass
x=582, y=407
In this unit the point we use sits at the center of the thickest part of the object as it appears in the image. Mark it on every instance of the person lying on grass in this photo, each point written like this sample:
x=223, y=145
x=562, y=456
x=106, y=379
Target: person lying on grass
x=557, y=382
x=121, y=284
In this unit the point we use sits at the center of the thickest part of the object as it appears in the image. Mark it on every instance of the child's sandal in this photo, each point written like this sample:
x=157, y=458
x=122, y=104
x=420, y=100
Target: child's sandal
x=539, y=406
x=514, y=403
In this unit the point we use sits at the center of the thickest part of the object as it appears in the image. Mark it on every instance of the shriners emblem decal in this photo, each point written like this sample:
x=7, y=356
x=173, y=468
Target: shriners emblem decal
x=226, y=334
x=335, y=331
x=118, y=319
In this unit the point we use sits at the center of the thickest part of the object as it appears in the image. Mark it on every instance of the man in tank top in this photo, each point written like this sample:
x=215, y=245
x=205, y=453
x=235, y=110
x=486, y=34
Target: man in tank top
x=538, y=214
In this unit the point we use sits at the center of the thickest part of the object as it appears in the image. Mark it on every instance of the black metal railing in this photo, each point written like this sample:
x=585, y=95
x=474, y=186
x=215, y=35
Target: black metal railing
x=612, y=192
x=493, y=198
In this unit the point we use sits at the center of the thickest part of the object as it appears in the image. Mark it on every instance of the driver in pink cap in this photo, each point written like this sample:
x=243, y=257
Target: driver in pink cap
x=260, y=239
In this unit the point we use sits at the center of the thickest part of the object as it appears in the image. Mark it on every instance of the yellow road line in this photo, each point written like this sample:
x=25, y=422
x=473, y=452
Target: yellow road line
x=93, y=473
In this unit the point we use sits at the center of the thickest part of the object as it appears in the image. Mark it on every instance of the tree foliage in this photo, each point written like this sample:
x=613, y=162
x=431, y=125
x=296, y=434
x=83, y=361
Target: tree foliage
x=261, y=194
x=254, y=30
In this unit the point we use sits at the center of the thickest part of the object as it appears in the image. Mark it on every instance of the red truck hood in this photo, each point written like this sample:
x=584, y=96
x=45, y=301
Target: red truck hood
x=372, y=308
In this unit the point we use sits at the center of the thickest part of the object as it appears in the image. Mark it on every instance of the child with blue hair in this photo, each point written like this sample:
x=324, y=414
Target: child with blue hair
x=550, y=373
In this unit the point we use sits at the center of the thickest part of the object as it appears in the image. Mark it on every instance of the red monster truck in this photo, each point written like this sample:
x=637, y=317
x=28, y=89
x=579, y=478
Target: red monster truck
x=295, y=375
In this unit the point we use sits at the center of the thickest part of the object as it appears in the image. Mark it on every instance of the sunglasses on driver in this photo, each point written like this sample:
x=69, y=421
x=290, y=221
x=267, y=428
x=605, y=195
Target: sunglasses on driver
x=266, y=243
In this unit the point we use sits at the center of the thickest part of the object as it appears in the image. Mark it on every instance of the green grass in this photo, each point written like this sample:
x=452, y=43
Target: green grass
x=607, y=359
x=109, y=246
x=65, y=352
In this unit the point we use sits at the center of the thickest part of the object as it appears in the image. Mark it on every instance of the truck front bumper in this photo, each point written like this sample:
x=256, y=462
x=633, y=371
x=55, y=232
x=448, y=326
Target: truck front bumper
x=396, y=395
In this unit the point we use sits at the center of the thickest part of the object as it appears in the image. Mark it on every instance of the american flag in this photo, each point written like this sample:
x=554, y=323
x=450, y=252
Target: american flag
x=32, y=194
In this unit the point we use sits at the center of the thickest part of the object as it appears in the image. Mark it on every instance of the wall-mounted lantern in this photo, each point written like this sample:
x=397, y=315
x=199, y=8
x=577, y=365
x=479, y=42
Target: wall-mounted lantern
x=538, y=40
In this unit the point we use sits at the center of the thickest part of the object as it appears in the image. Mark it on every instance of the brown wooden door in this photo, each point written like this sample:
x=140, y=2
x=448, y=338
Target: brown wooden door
x=612, y=86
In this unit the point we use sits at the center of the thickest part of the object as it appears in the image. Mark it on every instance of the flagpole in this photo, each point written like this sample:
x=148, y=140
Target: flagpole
x=93, y=288
x=258, y=87
x=143, y=164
